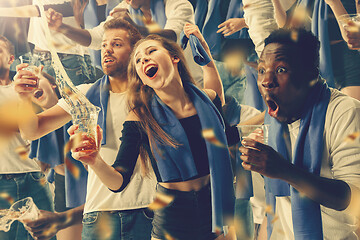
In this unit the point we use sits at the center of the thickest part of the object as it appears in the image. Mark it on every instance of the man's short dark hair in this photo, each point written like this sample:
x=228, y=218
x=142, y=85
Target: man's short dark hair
x=9, y=45
x=303, y=49
x=118, y=23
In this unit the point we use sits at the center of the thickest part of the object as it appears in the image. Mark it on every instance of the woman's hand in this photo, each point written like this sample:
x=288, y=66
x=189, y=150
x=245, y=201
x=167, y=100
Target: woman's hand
x=231, y=26
x=194, y=29
x=83, y=147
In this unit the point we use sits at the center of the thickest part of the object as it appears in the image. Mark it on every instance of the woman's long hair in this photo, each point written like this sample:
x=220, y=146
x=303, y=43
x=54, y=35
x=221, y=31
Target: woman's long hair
x=140, y=96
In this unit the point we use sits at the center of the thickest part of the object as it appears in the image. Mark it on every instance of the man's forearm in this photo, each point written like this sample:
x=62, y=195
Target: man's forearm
x=331, y=193
x=81, y=36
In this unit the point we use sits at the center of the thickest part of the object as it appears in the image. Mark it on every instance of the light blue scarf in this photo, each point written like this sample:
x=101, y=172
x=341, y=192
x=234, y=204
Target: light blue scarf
x=199, y=54
x=307, y=155
x=157, y=10
x=319, y=27
x=98, y=94
x=179, y=163
x=232, y=113
x=48, y=149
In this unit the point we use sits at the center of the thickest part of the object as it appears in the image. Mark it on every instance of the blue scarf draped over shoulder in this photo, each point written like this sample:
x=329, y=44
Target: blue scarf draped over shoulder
x=179, y=163
x=98, y=94
x=307, y=155
x=49, y=149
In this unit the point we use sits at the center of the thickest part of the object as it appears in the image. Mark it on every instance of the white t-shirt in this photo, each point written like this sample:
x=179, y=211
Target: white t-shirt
x=341, y=160
x=140, y=191
x=178, y=12
x=10, y=160
x=63, y=44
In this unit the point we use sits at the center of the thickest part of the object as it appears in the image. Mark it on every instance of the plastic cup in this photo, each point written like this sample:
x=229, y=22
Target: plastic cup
x=257, y=132
x=33, y=66
x=26, y=208
x=87, y=122
x=347, y=18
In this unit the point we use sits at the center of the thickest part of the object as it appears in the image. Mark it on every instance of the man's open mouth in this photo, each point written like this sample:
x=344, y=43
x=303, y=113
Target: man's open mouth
x=108, y=60
x=273, y=107
x=151, y=70
x=38, y=93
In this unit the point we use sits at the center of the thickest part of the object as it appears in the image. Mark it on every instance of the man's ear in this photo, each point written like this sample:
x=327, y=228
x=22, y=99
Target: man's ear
x=11, y=59
x=175, y=59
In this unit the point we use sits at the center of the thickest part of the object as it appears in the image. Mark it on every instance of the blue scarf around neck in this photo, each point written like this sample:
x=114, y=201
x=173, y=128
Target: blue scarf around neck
x=98, y=94
x=179, y=163
x=307, y=155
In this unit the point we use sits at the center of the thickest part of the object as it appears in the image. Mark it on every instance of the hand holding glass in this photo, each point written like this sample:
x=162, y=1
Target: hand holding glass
x=257, y=132
x=24, y=209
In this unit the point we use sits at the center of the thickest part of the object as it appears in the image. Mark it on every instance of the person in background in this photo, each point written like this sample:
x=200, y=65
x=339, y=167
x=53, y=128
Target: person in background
x=49, y=151
x=20, y=177
x=115, y=215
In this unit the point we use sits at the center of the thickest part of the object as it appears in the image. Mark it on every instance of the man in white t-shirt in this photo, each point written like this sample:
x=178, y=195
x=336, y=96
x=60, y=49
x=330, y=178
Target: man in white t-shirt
x=115, y=215
x=20, y=177
x=312, y=163
x=167, y=18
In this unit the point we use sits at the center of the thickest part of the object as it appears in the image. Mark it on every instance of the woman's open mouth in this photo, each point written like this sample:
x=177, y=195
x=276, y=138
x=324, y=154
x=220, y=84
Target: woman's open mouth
x=151, y=71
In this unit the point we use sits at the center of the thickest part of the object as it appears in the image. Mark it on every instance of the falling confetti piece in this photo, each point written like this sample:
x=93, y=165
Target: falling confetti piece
x=120, y=169
x=51, y=230
x=152, y=26
x=352, y=137
x=275, y=219
x=168, y=236
x=209, y=135
x=7, y=197
x=294, y=35
x=73, y=169
x=23, y=152
x=103, y=229
x=43, y=181
x=161, y=200
x=268, y=209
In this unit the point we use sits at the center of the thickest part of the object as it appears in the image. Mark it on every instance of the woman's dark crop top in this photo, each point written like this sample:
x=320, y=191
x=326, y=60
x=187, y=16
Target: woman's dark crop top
x=133, y=137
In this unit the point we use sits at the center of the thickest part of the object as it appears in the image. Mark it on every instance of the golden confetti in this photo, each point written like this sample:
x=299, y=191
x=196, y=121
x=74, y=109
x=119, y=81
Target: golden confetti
x=274, y=219
x=120, y=169
x=152, y=26
x=300, y=17
x=51, y=230
x=352, y=137
x=209, y=135
x=7, y=197
x=43, y=181
x=68, y=91
x=104, y=231
x=268, y=209
x=161, y=200
x=168, y=236
x=73, y=169
x=294, y=35
x=23, y=152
